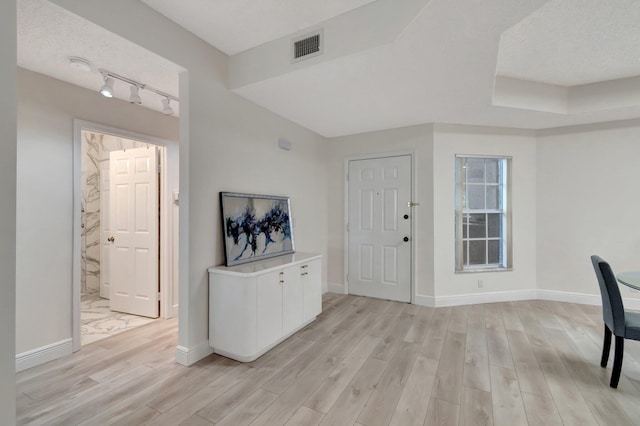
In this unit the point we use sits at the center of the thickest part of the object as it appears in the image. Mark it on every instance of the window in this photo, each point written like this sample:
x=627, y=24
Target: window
x=483, y=217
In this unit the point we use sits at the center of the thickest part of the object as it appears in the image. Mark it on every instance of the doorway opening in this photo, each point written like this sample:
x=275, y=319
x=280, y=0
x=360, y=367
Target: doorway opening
x=125, y=253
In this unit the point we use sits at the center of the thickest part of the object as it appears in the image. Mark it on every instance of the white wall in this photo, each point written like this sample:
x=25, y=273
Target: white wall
x=588, y=204
x=417, y=139
x=46, y=109
x=435, y=147
x=449, y=140
x=7, y=210
x=227, y=143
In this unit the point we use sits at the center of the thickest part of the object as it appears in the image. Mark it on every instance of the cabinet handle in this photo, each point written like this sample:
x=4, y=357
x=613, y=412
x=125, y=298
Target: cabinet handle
x=281, y=281
x=304, y=273
x=304, y=266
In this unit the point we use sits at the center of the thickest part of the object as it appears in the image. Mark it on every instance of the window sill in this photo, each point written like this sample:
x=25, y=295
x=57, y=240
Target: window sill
x=481, y=270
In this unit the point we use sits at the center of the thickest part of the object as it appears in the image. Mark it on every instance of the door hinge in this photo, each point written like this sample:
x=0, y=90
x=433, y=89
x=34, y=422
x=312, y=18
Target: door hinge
x=158, y=296
x=347, y=227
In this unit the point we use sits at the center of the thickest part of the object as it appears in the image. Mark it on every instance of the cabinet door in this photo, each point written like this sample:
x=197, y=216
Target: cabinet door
x=291, y=299
x=269, y=306
x=311, y=274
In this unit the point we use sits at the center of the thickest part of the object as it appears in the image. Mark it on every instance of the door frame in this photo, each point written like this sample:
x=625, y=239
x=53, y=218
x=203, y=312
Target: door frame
x=169, y=161
x=414, y=213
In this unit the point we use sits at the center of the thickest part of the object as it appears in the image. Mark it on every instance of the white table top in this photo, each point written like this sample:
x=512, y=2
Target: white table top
x=630, y=279
x=256, y=268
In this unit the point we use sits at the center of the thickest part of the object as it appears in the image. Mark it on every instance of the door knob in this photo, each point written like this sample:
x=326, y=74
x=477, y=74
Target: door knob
x=405, y=239
x=406, y=216
x=111, y=239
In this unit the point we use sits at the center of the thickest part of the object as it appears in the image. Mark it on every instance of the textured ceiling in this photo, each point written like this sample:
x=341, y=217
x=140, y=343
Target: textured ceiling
x=236, y=25
x=573, y=42
x=48, y=35
x=386, y=63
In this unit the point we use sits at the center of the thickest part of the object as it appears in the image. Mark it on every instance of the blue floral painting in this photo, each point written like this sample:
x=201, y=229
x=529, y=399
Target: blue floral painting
x=255, y=227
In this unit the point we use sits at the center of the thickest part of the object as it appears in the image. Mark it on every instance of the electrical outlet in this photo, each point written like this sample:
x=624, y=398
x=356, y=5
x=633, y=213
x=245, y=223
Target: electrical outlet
x=480, y=284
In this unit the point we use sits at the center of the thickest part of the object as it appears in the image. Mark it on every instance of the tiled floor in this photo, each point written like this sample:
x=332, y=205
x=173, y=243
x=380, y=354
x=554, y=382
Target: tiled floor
x=99, y=322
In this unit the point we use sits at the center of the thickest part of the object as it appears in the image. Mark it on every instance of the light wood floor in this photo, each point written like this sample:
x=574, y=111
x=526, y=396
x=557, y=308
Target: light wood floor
x=363, y=362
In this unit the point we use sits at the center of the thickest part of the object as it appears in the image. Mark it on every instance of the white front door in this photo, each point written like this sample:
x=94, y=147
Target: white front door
x=134, y=231
x=105, y=229
x=379, y=228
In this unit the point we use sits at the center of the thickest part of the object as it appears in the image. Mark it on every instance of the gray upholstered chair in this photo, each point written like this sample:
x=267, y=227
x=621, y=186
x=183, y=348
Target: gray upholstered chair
x=623, y=325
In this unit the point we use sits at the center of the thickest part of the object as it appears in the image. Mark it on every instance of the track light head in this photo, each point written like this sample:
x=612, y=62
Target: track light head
x=107, y=89
x=166, y=108
x=134, y=97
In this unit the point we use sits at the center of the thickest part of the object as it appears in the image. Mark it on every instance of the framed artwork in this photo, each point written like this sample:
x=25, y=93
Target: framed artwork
x=255, y=227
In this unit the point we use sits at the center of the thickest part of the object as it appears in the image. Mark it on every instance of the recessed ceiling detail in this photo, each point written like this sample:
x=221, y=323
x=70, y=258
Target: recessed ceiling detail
x=573, y=42
x=572, y=57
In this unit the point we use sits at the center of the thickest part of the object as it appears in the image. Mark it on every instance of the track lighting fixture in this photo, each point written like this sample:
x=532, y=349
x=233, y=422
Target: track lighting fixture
x=107, y=88
x=166, y=108
x=134, y=90
x=134, y=97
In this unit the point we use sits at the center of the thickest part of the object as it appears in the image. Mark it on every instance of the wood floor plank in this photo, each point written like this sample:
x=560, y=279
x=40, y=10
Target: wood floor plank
x=214, y=389
x=476, y=361
x=283, y=408
x=332, y=387
x=442, y=413
x=530, y=376
x=224, y=404
x=305, y=417
x=448, y=383
x=390, y=342
x=354, y=397
x=569, y=401
x=420, y=325
x=362, y=362
x=434, y=339
x=414, y=401
x=250, y=408
x=541, y=410
x=497, y=342
x=196, y=420
x=383, y=401
x=458, y=321
x=476, y=409
x=508, y=408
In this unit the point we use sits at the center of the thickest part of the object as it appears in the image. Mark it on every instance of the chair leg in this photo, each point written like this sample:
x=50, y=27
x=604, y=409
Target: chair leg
x=606, y=346
x=617, y=362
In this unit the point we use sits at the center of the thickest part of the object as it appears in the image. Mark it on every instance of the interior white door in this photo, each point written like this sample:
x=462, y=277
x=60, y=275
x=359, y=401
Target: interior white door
x=379, y=228
x=134, y=237
x=105, y=229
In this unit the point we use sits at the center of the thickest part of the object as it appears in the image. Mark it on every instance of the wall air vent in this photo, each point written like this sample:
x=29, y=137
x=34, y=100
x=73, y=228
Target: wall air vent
x=307, y=46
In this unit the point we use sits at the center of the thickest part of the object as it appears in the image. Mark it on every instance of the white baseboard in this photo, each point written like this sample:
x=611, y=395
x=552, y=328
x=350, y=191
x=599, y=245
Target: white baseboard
x=43, y=354
x=566, y=296
x=189, y=356
x=491, y=297
x=336, y=288
x=428, y=301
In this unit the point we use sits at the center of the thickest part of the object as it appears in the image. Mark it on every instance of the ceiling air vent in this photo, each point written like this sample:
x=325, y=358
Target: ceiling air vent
x=307, y=46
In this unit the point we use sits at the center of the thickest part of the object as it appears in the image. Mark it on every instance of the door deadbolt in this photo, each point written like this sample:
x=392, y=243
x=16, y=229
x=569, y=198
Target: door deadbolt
x=405, y=239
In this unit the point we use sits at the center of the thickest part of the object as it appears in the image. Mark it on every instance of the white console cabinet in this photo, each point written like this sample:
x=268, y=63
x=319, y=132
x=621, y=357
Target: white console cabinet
x=255, y=306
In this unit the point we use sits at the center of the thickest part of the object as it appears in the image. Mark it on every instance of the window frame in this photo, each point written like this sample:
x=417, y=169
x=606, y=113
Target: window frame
x=504, y=180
